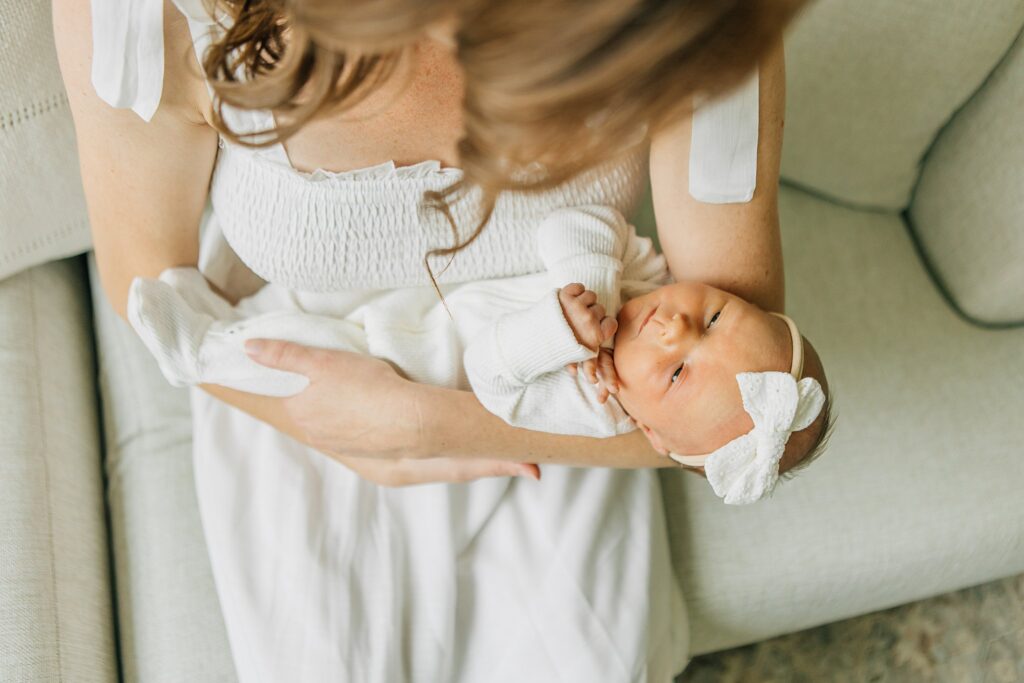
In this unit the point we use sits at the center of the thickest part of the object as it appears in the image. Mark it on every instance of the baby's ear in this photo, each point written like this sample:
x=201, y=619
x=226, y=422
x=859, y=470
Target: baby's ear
x=653, y=437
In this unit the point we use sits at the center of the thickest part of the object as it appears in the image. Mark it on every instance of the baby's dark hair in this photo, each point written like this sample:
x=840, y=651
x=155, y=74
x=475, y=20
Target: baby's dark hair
x=818, y=446
x=800, y=456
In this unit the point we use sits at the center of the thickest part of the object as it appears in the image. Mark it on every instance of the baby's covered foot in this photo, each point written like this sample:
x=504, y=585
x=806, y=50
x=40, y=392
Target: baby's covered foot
x=170, y=328
x=195, y=289
x=198, y=338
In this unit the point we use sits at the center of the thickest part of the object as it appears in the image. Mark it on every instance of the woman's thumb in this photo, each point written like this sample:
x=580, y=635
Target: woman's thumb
x=282, y=355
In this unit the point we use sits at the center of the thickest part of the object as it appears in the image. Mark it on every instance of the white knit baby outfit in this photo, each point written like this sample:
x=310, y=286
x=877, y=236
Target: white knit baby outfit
x=515, y=352
x=323, y=576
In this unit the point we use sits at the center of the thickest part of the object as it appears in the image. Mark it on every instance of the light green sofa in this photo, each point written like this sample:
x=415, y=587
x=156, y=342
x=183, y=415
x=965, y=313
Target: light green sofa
x=903, y=221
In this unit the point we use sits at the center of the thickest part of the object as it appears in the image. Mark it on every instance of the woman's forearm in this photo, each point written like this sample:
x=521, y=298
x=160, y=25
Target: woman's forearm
x=358, y=406
x=460, y=427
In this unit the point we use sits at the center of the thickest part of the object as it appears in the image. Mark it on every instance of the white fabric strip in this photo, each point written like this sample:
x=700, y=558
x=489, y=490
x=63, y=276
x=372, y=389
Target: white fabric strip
x=128, y=50
x=128, y=53
x=723, y=147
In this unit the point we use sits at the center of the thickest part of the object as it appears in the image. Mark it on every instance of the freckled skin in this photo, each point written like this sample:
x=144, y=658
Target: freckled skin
x=415, y=115
x=701, y=410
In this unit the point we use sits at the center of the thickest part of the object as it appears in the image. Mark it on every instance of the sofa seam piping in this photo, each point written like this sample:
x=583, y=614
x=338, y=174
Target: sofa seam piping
x=115, y=612
x=940, y=284
x=46, y=475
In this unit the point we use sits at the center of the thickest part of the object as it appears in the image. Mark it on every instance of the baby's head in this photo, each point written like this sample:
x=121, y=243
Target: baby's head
x=678, y=351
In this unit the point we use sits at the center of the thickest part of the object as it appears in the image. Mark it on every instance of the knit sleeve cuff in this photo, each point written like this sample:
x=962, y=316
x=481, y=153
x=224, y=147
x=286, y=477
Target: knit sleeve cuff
x=600, y=274
x=538, y=340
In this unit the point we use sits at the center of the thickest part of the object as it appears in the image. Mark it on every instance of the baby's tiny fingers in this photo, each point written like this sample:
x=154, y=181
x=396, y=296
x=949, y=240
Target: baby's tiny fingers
x=571, y=367
x=602, y=396
x=587, y=298
x=573, y=289
x=608, y=327
x=590, y=368
x=606, y=365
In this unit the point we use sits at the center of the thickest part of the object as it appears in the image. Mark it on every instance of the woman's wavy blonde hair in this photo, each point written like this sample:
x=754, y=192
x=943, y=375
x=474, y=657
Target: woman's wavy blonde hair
x=564, y=80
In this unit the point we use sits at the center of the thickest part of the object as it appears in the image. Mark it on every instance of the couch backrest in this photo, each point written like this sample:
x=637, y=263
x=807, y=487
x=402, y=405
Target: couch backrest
x=42, y=207
x=872, y=82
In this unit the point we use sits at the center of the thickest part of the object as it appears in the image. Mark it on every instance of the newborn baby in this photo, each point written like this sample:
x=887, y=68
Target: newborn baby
x=700, y=371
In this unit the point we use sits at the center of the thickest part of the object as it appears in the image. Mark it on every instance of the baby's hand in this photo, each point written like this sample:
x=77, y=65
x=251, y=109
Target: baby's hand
x=586, y=317
x=600, y=371
x=592, y=327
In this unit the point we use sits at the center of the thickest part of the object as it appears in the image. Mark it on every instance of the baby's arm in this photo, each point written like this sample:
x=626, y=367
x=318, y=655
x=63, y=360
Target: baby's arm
x=586, y=244
x=516, y=367
x=197, y=337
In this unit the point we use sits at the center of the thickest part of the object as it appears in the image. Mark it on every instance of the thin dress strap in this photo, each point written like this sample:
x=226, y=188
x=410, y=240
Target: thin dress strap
x=128, y=60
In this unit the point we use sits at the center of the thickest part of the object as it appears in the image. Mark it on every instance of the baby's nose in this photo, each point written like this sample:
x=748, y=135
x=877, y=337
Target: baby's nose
x=676, y=327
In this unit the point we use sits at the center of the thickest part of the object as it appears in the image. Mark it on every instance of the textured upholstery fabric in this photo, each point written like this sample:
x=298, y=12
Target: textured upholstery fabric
x=968, y=210
x=42, y=207
x=170, y=625
x=56, y=606
x=920, y=490
x=871, y=82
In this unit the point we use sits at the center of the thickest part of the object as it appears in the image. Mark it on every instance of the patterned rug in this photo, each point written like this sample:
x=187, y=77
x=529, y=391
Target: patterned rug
x=975, y=635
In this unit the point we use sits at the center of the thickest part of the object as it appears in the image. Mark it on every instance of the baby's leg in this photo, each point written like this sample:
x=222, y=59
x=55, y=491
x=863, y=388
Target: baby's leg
x=197, y=337
x=222, y=357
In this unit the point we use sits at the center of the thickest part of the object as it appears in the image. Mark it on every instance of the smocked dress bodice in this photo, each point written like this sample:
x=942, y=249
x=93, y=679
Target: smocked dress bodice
x=322, y=232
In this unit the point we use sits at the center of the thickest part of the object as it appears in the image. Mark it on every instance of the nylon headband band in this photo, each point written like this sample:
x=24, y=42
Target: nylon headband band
x=797, y=368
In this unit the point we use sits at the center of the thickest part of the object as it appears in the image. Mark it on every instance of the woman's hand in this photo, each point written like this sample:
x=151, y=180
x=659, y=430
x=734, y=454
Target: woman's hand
x=355, y=405
x=359, y=411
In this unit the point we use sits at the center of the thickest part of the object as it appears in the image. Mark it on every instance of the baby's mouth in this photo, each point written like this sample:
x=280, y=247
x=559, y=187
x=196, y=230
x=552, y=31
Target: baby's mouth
x=647, y=319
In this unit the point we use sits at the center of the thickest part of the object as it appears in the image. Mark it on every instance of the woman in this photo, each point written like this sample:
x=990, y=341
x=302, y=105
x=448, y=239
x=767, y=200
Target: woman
x=321, y=575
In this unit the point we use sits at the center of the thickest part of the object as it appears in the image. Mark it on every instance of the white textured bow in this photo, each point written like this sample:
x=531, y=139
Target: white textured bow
x=745, y=469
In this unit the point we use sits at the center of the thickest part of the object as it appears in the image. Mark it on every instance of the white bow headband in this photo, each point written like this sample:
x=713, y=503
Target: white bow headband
x=747, y=468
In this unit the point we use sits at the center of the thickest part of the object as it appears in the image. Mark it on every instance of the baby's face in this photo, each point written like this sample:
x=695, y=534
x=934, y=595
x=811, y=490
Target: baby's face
x=677, y=353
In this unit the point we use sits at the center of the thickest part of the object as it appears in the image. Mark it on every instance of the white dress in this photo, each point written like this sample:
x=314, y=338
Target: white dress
x=323, y=576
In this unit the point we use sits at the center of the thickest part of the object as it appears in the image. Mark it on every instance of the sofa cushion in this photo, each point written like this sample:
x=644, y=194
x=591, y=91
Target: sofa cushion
x=920, y=490
x=56, y=606
x=870, y=83
x=968, y=210
x=171, y=627
x=44, y=216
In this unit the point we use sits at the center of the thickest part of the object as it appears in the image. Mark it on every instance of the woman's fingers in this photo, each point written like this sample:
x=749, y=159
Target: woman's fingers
x=590, y=370
x=283, y=355
x=440, y=470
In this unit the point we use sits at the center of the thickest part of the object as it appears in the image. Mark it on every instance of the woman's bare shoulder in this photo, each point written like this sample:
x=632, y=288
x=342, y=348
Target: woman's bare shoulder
x=184, y=91
x=184, y=84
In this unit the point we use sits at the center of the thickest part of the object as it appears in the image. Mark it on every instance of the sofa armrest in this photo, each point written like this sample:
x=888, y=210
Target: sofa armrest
x=968, y=210
x=56, y=615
